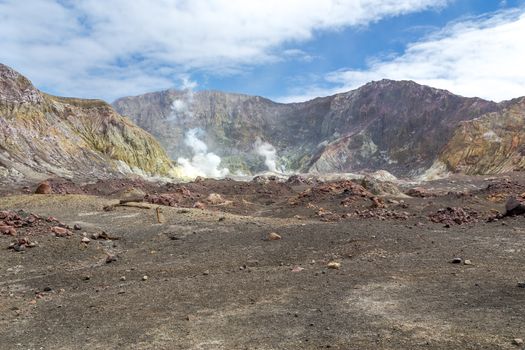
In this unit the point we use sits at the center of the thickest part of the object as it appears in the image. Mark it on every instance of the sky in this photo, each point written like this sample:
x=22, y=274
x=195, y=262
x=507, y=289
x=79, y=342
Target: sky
x=286, y=50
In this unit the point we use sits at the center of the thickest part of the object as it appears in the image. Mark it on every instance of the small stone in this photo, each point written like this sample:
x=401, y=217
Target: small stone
x=86, y=278
x=60, y=231
x=77, y=227
x=111, y=258
x=333, y=265
x=521, y=284
x=517, y=341
x=19, y=247
x=122, y=278
x=85, y=240
x=467, y=262
x=144, y=278
x=456, y=261
x=273, y=236
x=199, y=205
x=48, y=289
x=206, y=272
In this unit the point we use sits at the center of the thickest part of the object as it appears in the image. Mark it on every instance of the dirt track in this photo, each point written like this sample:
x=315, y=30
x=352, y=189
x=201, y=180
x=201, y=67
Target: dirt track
x=214, y=282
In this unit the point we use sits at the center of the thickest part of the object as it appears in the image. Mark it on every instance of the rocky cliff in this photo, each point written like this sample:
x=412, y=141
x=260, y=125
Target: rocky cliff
x=43, y=135
x=491, y=144
x=398, y=126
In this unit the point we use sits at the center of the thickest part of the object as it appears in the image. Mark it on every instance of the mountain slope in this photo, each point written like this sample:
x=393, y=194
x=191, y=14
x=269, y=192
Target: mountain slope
x=43, y=135
x=491, y=144
x=399, y=126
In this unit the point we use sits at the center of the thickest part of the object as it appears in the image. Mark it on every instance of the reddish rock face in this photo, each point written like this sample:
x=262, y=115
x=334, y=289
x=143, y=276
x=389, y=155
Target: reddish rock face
x=44, y=188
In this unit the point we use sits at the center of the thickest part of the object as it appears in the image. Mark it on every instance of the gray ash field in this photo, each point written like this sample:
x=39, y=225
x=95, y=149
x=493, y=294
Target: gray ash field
x=360, y=265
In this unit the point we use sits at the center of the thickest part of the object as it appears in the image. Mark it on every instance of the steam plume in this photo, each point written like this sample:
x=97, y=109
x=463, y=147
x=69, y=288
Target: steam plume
x=269, y=153
x=203, y=163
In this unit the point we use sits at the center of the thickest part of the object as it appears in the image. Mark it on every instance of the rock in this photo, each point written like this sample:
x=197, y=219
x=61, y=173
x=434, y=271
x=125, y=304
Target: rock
x=103, y=235
x=77, y=227
x=514, y=207
x=215, y=199
x=7, y=230
x=199, y=205
x=144, y=278
x=206, y=272
x=123, y=278
x=160, y=215
x=467, y=262
x=85, y=240
x=521, y=284
x=456, y=261
x=19, y=247
x=334, y=265
x=517, y=341
x=273, y=236
x=44, y=188
x=419, y=192
x=297, y=269
x=61, y=231
x=111, y=258
x=381, y=187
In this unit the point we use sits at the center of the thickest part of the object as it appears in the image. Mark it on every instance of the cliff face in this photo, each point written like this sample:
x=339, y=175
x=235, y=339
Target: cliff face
x=491, y=144
x=43, y=135
x=398, y=126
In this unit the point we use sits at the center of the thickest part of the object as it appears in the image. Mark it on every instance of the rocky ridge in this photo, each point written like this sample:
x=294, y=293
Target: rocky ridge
x=43, y=135
x=398, y=126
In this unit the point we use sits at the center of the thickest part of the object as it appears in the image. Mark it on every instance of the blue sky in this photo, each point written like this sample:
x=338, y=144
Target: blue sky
x=306, y=48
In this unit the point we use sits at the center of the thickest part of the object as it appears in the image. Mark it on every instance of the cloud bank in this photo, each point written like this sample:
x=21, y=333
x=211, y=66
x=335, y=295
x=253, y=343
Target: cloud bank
x=113, y=48
x=480, y=57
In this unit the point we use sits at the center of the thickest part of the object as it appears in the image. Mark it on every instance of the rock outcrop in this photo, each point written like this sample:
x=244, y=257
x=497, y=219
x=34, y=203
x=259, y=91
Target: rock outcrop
x=491, y=144
x=43, y=135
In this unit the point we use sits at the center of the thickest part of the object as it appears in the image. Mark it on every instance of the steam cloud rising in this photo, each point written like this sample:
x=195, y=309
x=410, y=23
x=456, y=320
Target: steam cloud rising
x=269, y=153
x=203, y=163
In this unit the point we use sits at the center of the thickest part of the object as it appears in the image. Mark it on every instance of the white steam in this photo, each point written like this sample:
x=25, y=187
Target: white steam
x=269, y=153
x=203, y=163
x=181, y=107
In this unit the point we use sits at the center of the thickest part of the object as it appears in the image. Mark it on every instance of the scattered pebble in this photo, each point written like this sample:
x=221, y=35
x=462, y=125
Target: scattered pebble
x=85, y=240
x=273, y=236
x=467, y=262
x=456, y=261
x=77, y=227
x=144, y=278
x=517, y=341
x=122, y=278
x=333, y=265
x=111, y=258
x=61, y=231
x=206, y=272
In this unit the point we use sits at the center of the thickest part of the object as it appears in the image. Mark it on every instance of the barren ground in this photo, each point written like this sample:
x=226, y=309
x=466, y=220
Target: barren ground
x=215, y=282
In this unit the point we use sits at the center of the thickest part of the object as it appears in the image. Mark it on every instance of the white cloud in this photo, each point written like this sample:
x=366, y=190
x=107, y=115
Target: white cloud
x=481, y=57
x=117, y=47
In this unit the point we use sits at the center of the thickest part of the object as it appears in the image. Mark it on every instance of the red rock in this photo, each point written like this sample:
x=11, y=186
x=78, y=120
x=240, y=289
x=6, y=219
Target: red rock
x=60, y=231
x=44, y=188
x=7, y=230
